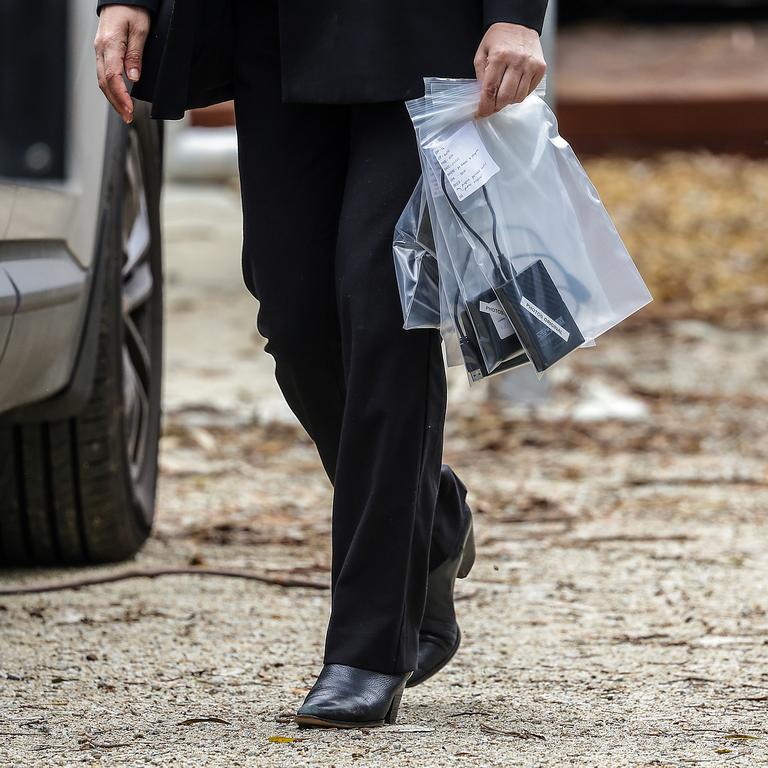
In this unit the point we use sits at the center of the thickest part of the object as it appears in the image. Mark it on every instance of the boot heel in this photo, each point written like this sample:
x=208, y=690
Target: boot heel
x=394, y=706
x=468, y=557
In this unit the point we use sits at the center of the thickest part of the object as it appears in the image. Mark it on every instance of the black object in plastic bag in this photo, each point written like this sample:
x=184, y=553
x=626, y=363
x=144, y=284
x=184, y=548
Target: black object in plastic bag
x=542, y=323
x=416, y=265
x=485, y=333
x=539, y=315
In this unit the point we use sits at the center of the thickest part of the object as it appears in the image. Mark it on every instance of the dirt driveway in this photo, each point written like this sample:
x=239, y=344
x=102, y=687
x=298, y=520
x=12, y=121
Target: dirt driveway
x=616, y=616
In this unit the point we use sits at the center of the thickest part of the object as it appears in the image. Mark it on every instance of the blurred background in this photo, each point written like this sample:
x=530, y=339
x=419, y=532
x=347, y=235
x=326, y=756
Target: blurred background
x=619, y=598
x=667, y=106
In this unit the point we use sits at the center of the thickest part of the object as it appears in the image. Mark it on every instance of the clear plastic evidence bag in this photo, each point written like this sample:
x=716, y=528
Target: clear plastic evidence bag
x=504, y=245
x=416, y=264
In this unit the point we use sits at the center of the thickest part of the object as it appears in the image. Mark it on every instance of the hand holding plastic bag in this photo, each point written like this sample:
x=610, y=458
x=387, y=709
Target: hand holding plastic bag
x=530, y=265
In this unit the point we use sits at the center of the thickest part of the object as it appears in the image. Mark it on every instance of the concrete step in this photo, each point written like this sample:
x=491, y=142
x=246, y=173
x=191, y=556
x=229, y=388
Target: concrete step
x=638, y=88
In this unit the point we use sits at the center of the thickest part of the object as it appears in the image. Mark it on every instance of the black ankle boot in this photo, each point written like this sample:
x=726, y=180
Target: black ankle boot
x=349, y=697
x=440, y=636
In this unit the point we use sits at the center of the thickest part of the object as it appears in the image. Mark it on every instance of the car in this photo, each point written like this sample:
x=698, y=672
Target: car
x=80, y=298
x=655, y=11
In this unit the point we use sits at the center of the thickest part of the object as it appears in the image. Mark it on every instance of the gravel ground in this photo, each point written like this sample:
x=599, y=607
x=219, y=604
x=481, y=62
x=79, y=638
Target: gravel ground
x=616, y=615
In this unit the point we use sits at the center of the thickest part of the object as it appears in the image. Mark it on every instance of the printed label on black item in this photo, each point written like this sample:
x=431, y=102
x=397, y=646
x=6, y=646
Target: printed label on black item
x=465, y=160
x=545, y=318
x=499, y=316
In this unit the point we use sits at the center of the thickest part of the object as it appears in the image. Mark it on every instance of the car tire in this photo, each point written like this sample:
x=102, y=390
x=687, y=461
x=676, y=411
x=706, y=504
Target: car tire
x=82, y=489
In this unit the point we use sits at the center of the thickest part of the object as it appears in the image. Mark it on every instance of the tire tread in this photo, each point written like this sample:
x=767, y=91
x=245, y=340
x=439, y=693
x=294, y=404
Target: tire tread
x=65, y=488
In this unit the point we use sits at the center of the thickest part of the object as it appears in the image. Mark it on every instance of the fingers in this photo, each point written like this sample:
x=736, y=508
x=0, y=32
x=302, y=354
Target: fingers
x=519, y=81
x=534, y=73
x=101, y=69
x=110, y=49
x=538, y=76
x=509, y=87
x=523, y=88
x=491, y=81
x=119, y=46
x=481, y=62
x=114, y=85
x=510, y=64
x=137, y=36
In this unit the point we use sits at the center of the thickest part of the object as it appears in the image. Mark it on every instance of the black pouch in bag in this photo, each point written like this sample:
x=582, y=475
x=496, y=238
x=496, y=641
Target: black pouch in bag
x=474, y=358
x=416, y=268
x=538, y=313
x=543, y=325
x=487, y=335
x=425, y=308
x=488, y=342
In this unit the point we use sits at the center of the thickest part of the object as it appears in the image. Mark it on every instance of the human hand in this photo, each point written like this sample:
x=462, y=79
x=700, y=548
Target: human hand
x=510, y=64
x=119, y=45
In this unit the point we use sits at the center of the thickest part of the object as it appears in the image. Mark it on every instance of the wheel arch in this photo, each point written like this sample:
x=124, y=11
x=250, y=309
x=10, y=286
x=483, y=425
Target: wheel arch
x=72, y=398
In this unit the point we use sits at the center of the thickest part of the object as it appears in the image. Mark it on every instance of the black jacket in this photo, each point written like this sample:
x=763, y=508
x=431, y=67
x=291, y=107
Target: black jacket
x=335, y=51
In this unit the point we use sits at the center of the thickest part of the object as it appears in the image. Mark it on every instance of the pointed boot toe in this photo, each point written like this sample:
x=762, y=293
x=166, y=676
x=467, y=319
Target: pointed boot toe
x=435, y=651
x=349, y=697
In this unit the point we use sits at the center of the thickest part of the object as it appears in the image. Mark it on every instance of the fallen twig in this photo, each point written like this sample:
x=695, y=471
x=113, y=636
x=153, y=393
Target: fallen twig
x=88, y=744
x=730, y=480
x=521, y=734
x=153, y=573
x=630, y=539
x=690, y=679
x=196, y=720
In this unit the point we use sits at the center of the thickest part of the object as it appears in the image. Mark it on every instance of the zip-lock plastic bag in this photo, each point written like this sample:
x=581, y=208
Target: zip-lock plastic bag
x=416, y=264
x=530, y=264
x=415, y=259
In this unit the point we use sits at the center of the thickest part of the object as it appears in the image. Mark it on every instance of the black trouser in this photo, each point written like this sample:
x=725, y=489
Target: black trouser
x=322, y=187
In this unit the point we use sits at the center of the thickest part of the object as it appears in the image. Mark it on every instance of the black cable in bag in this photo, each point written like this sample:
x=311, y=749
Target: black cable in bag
x=543, y=324
x=484, y=348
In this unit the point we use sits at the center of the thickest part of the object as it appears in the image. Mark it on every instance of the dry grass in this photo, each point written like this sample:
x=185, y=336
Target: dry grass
x=697, y=228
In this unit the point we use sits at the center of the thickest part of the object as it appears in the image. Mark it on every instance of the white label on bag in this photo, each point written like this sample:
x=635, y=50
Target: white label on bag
x=499, y=316
x=546, y=319
x=465, y=160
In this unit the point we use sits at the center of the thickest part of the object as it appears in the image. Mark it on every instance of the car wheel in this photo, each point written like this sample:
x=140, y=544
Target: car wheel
x=82, y=489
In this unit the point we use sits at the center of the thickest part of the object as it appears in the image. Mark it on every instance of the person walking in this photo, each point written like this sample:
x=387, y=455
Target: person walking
x=327, y=160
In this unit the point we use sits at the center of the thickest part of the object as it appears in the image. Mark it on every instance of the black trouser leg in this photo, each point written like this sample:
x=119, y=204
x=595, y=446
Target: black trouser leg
x=389, y=464
x=292, y=169
x=322, y=188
